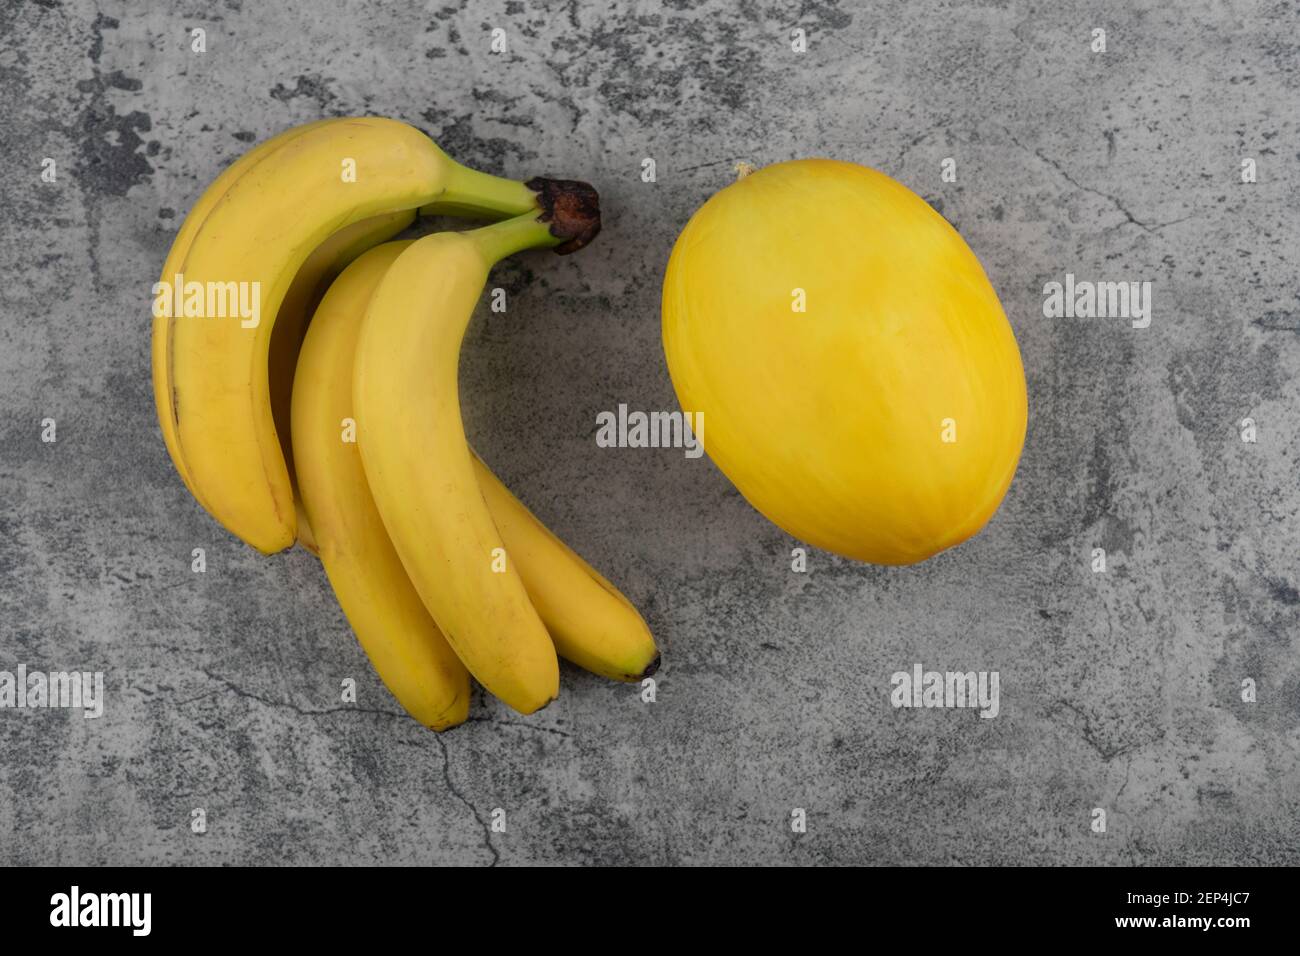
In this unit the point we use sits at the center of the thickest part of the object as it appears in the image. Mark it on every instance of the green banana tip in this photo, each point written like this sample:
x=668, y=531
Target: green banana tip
x=571, y=208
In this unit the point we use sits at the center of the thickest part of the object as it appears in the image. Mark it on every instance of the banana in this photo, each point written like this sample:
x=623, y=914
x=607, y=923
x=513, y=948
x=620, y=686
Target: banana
x=591, y=623
x=417, y=462
x=163, y=397
x=214, y=371
x=402, y=641
x=321, y=268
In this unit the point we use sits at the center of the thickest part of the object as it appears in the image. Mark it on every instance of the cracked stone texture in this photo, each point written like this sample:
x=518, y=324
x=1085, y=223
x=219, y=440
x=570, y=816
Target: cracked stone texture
x=1120, y=690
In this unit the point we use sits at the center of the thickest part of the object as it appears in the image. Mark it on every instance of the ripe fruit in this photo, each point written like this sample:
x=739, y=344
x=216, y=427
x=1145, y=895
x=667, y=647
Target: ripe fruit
x=440, y=570
x=404, y=644
x=211, y=374
x=884, y=420
x=418, y=463
x=590, y=622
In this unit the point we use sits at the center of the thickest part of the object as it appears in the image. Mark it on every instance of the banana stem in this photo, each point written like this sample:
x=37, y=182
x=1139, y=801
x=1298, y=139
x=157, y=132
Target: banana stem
x=506, y=238
x=567, y=219
x=471, y=193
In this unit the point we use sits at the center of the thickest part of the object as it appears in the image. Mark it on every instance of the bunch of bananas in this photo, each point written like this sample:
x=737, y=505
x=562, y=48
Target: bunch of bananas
x=332, y=418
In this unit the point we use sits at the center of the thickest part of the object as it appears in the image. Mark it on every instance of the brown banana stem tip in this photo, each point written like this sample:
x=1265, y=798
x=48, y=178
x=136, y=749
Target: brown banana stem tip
x=652, y=667
x=571, y=207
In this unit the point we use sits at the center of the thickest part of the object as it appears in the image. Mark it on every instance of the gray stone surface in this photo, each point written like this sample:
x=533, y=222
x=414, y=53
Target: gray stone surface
x=1120, y=690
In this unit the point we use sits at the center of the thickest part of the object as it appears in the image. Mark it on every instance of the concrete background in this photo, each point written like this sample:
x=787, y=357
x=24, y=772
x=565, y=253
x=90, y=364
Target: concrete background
x=1119, y=690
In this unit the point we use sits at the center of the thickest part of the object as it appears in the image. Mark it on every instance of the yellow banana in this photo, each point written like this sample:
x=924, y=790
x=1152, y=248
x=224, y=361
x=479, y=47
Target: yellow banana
x=591, y=623
x=417, y=461
x=320, y=268
x=404, y=644
x=163, y=398
x=329, y=259
x=249, y=247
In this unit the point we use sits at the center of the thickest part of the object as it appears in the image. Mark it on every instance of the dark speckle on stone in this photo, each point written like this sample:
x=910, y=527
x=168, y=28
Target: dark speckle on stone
x=312, y=86
x=457, y=134
x=110, y=146
x=97, y=28
x=1284, y=592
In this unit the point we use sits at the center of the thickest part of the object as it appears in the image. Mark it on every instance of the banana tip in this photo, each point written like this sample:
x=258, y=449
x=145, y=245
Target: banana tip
x=651, y=668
